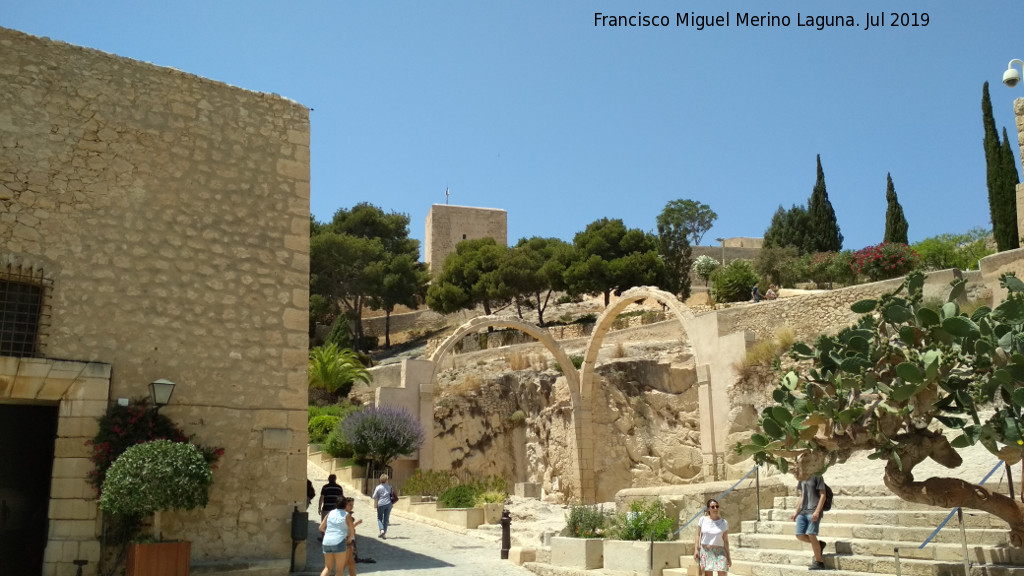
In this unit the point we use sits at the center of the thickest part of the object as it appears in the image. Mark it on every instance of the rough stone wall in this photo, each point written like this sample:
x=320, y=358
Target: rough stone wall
x=171, y=213
x=448, y=225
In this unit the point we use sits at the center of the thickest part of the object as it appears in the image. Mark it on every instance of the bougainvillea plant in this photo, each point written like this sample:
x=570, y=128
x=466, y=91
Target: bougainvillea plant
x=886, y=260
x=125, y=426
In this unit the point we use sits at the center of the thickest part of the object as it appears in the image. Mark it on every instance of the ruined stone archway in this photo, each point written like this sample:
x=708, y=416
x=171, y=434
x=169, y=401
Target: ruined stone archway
x=568, y=370
x=584, y=436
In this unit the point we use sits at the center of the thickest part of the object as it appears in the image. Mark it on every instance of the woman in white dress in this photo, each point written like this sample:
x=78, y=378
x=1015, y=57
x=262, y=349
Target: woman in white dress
x=711, y=550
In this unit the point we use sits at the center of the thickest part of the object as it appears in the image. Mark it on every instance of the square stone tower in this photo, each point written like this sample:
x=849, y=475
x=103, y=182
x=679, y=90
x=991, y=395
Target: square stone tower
x=448, y=225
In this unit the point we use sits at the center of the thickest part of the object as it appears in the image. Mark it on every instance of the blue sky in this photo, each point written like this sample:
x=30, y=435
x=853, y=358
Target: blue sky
x=530, y=107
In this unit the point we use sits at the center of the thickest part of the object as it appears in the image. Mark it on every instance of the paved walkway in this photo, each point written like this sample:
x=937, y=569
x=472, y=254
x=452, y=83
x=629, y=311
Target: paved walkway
x=411, y=547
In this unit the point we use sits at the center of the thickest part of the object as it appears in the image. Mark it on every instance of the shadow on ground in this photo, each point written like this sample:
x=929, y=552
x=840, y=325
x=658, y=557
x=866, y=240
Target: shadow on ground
x=388, y=555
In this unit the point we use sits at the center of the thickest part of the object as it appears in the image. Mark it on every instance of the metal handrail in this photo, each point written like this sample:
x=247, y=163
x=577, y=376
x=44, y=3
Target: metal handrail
x=722, y=495
x=963, y=534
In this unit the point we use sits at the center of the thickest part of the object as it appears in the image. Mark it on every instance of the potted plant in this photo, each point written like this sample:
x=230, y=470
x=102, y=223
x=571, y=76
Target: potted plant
x=147, y=479
x=121, y=428
x=582, y=547
x=639, y=540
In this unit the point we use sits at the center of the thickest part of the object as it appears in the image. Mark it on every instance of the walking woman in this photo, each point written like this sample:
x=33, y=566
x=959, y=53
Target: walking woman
x=338, y=531
x=711, y=550
x=382, y=502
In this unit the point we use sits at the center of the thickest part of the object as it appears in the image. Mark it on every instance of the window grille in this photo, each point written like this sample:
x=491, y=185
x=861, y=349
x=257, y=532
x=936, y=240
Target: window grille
x=24, y=312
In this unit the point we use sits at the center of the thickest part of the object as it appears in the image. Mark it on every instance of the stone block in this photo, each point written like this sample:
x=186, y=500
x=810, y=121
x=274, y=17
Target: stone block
x=586, y=553
x=527, y=490
x=73, y=530
x=519, y=555
x=633, y=556
x=71, y=467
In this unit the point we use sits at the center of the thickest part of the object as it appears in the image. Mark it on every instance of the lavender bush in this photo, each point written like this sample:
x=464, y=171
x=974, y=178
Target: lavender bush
x=381, y=434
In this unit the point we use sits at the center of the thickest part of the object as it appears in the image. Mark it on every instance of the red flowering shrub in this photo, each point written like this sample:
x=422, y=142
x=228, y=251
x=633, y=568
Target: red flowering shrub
x=125, y=426
x=886, y=260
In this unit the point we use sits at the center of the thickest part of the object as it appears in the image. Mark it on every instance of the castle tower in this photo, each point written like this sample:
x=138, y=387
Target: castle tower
x=448, y=225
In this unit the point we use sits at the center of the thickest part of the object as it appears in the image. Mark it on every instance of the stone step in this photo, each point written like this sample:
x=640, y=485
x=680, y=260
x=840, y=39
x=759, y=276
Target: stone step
x=853, y=566
x=889, y=502
x=830, y=530
x=752, y=544
x=920, y=518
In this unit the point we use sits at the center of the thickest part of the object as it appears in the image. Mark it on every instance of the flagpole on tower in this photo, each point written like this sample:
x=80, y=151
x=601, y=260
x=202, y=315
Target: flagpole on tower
x=446, y=194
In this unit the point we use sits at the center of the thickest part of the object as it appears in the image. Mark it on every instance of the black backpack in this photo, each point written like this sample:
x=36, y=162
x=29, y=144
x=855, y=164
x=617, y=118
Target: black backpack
x=828, y=498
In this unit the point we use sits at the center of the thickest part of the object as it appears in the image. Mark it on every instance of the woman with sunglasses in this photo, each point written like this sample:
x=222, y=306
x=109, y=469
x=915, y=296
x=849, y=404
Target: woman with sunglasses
x=711, y=549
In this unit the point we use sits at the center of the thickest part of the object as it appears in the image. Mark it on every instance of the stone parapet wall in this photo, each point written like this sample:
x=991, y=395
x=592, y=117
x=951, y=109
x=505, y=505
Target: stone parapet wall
x=171, y=214
x=826, y=311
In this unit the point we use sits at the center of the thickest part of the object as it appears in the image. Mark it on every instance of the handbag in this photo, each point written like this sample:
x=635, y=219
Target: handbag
x=394, y=497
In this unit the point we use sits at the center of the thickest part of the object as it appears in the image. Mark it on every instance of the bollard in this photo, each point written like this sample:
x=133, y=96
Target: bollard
x=80, y=563
x=506, y=533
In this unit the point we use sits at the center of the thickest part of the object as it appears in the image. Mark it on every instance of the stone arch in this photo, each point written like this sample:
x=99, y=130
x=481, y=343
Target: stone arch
x=568, y=370
x=607, y=318
x=542, y=336
x=584, y=435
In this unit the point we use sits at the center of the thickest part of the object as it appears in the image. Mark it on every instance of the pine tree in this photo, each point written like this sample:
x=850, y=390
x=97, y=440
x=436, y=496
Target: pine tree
x=823, y=234
x=895, y=223
x=1002, y=201
x=789, y=228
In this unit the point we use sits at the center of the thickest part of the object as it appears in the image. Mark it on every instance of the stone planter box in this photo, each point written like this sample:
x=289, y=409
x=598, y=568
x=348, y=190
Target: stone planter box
x=462, y=517
x=586, y=553
x=159, y=559
x=635, y=555
x=492, y=513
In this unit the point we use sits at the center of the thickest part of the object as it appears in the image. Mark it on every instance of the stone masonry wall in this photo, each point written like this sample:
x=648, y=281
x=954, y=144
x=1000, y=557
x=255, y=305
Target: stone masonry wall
x=171, y=213
x=447, y=225
x=815, y=313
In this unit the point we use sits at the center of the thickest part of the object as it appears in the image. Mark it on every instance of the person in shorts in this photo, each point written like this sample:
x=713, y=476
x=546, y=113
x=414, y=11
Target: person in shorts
x=808, y=517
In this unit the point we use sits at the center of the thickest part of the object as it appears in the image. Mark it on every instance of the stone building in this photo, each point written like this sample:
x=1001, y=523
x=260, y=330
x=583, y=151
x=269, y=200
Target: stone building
x=153, y=225
x=448, y=225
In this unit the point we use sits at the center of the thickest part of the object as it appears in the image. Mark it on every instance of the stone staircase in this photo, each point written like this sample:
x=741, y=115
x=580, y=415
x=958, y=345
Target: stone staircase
x=861, y=532
x=348, y=475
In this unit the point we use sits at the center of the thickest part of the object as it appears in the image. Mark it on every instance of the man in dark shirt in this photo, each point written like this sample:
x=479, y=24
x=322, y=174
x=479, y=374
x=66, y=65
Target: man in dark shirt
x=330, y=495
x=808, y=517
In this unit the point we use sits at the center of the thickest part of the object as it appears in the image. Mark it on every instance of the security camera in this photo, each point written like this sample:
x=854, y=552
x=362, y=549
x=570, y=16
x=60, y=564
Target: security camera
x=1011, y=77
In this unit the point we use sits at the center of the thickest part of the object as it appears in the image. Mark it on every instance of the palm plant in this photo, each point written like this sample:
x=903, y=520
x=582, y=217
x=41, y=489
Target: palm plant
x=335, y=369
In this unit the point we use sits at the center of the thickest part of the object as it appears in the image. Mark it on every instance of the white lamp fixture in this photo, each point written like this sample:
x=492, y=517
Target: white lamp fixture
x=160, y=392
x=1012, y=76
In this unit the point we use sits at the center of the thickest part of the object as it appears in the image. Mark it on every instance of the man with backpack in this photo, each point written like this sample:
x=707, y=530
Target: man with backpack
x=813, y=496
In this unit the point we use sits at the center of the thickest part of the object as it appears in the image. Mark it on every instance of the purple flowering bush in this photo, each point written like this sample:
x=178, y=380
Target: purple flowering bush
x=381, y=434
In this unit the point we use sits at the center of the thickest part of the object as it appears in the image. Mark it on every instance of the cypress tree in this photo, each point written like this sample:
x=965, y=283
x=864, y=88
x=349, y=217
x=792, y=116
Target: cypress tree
x=895, y=223
x=823, y=235
x=1002, y=202
x=1009, y=182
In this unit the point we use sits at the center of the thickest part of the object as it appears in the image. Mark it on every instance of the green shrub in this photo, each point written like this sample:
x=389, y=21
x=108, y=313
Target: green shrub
x=961, y=251
x=428, y=483
x=459, y=496
x=155, y=476
x=826, y=268
x=577, y=361
x=490, y=497
x=337, y=446
x=734, y=282
x=320, y=428
x=644, y=521
x=586, y=521
x=340, y=410
x=586, y=319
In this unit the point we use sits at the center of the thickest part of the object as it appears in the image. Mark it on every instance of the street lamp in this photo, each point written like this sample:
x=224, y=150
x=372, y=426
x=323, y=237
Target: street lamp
x=160, y=392
x=722, y=240
x=1012, y=77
